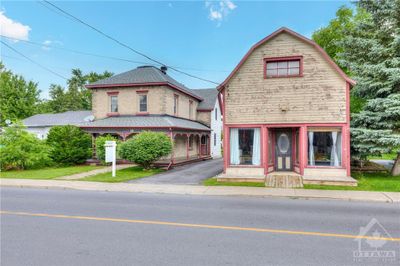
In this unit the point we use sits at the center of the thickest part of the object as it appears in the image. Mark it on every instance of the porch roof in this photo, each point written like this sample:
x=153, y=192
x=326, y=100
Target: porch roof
x=146, y=121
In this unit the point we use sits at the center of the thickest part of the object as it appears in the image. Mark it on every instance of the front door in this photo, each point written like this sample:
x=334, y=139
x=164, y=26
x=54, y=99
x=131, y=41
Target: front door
x=283, y=150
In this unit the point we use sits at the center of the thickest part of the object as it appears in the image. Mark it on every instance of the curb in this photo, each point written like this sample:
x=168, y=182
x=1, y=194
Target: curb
x=387, y=197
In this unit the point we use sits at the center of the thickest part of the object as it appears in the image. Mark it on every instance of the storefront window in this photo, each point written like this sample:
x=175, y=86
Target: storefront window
x=245, y=148
x=324, y=148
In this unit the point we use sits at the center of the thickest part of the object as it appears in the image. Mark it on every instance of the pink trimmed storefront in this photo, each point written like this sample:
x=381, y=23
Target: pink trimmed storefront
x=286, y=115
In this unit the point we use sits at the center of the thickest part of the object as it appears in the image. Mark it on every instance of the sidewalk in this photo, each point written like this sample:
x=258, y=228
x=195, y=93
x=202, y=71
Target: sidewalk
x=93, y=172
x=391, y=197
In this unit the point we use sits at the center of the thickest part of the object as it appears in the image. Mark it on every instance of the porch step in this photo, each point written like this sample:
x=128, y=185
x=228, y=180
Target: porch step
x=330, y=180
x=284, y=180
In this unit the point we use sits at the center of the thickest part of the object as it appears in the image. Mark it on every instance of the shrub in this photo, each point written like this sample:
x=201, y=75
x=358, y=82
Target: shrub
x=20, y=149
x=100, y=151
x=69, y=145
x=146, y=148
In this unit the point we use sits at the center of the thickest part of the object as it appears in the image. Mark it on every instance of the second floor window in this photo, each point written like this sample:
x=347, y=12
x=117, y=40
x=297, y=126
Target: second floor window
x=283, y=68
x=143, y=103
x=216, y=114
x=176, y=104
x=113, y=103
x=190, y=109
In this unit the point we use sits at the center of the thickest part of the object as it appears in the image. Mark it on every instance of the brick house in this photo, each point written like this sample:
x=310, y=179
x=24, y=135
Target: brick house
x=286, y=115
x=147, y=98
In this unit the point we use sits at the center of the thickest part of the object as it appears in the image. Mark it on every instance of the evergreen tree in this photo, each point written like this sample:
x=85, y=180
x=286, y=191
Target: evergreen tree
x=371, y=51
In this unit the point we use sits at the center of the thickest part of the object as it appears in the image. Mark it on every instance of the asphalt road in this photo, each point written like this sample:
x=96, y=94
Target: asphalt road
x=190, y=174
x=65, y=227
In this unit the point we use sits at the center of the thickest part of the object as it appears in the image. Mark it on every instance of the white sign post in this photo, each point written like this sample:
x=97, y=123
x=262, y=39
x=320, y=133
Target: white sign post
x=111, y=148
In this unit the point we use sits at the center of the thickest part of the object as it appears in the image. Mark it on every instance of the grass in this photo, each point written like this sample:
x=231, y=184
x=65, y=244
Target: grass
x=213, y=182
x=123, y=175
x=385, y=156
x=367, y=182
x=47, y=173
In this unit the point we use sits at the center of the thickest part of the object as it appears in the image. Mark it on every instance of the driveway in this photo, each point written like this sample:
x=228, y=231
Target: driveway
x=190, y=174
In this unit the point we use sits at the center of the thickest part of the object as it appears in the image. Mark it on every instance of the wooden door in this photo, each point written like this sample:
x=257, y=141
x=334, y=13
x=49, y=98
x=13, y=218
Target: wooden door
x=283, y=150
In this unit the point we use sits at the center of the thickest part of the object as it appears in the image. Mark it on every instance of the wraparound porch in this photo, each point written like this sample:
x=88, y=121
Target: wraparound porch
x=188, y=146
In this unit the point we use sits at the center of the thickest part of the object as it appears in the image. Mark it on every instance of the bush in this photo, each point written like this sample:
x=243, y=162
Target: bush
x=20, y=149
x=146, y=148
x=100, y=151
x=69, y=145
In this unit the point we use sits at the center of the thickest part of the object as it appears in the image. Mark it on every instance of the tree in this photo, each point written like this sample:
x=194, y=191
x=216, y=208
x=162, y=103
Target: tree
x=100, y=141
x=19, y=98
x=69, y=145
x=371, y=51
x=20, y=149
x=146, y=148
x=76, y=96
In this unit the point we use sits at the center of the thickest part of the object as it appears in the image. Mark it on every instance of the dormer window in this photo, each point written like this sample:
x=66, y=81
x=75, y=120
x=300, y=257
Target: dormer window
x=283, y=67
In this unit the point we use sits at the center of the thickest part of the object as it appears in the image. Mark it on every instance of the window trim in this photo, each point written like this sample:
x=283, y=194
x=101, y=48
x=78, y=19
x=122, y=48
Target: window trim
x=229, y=165
x=147, y=103
x=110, y=95
x=176, y=107
x=324, y=130
x=280, y=59
x=191, y=110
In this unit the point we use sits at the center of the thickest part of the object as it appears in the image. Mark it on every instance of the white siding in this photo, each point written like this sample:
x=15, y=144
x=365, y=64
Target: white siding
x=216, y=128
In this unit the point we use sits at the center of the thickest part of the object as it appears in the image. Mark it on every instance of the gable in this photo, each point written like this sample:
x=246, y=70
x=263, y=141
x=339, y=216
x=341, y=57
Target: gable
x=319, y=95
x=295, y=37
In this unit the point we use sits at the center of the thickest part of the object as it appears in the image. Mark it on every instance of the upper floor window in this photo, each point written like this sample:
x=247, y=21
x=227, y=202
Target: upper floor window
x=283, y=67
x=113, y=103
x=142, y=102
x=190, y=109
x=176, y=104
x=216, y=114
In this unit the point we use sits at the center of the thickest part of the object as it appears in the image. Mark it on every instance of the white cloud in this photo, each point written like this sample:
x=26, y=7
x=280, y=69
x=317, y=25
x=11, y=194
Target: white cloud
x=47, y=44
x=13, y=29
x=219, y=10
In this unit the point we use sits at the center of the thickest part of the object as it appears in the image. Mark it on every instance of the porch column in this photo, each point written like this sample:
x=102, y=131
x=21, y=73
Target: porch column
x=187, y=146
x=198, y=146
x=303, y=148
x=94, y=154
x=265, y=148
x=171, y=134
x=209, y=144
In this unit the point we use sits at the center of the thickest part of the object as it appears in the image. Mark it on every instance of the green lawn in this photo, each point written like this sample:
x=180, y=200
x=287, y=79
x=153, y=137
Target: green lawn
x=214, y=182
x=123, y=175
x=48, y=173
x=368, y=182
x=385, y=156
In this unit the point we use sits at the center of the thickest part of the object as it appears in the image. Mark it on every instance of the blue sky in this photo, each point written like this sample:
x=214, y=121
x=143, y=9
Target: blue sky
x=203, y=38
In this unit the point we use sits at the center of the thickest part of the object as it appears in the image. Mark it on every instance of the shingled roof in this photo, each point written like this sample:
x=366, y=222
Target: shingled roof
x=146, y=121
x=66, y=118
x=209, y=98
x=143, y=76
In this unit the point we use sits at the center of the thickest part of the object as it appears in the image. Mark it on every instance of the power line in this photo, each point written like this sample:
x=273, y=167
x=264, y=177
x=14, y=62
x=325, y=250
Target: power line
x=101, y=56
x=125, y=45
x=34, y=62
x=73, y=51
